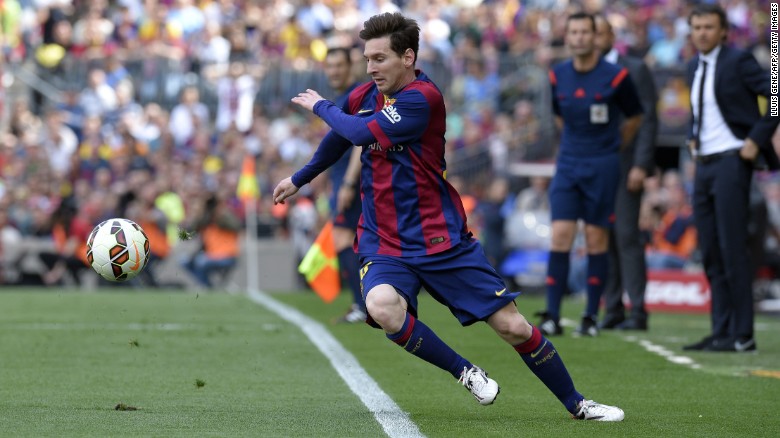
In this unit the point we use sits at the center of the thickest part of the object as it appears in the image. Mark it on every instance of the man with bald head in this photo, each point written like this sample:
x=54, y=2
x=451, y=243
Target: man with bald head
x=628, y=270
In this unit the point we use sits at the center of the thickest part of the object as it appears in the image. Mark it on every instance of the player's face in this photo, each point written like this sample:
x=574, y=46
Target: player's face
x=706, y=32
x=387, y=69
x=338, y=71
x=580, y=36
x=604, y=38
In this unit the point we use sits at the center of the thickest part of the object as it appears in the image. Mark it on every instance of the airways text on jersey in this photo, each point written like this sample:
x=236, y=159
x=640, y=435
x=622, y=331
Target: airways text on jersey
x=394, y=148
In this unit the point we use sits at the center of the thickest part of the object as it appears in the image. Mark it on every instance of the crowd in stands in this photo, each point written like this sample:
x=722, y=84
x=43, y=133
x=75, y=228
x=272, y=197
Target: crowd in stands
x=156, y=103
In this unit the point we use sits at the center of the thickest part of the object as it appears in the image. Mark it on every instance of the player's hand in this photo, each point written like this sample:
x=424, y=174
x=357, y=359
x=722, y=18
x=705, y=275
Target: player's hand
x=345, y=197
x=749, y=151
x=284, y=190
x=636, y=179
x=307, y=99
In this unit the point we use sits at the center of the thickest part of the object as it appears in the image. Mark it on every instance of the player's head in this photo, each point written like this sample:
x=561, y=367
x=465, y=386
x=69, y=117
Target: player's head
x=605, y=36
x=338, y=68
x=391, y=47
x=580, y=34
x=709, y=26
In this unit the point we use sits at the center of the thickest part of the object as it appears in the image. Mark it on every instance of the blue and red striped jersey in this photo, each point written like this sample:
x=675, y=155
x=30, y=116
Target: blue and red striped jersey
x=409, y=208
x=592, y=105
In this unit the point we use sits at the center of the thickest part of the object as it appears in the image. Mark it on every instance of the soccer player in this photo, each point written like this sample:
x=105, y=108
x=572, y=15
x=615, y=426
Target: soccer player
x=345, y=203
x=589, y=96
x=412, y=232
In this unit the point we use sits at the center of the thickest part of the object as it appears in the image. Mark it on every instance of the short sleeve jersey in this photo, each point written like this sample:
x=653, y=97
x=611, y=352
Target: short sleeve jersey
x=590, y=104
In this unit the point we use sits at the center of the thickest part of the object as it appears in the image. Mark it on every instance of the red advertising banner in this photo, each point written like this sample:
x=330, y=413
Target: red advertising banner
x=677, y=291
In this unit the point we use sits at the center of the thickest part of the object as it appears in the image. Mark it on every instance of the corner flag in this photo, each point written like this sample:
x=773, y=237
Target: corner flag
x=320, y=265
x=247, y=182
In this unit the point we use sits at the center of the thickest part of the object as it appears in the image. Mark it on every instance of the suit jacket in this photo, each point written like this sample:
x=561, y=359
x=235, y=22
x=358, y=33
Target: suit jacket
x=739, y=80
x=641, y=151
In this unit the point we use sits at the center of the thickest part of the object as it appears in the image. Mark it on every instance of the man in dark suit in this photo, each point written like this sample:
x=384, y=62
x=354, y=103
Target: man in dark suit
x=728, y=137
x=628, y=270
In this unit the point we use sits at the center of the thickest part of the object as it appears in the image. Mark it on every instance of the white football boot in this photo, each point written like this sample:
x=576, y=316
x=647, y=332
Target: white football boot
x=590, y=410
x=483, y=388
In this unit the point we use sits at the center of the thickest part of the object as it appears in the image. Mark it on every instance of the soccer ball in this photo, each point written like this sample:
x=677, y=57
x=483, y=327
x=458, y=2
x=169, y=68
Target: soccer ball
x=117, y=249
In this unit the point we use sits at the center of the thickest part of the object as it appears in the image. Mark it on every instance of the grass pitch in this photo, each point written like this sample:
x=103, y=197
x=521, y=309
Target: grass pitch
x=186, y=364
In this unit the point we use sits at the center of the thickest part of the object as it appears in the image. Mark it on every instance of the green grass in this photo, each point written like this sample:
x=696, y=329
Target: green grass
x=220, y=365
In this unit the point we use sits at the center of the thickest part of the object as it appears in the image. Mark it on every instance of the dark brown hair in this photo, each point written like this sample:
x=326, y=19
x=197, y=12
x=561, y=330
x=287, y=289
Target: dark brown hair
x=404, y=32
x=582, y=16
x=707, y=9
x=341, y=50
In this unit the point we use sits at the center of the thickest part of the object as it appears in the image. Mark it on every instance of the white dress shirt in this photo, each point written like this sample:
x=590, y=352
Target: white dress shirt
x=715, y=135
x=612, y=56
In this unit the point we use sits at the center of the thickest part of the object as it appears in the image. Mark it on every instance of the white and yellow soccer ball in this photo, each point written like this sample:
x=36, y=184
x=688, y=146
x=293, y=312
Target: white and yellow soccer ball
x=118, y=249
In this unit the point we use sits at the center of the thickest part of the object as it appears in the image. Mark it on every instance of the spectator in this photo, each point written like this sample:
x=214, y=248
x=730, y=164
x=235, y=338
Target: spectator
x=188, y=118
x=477, y=88
x=211, y=51
x=236, y=92
x=98, y=98
x=59, y=142
x=673, y=240
x=11, y=251
x=69, y=230
x=666, y=51
x=154, y=223
x=315, y=18
x=218, y=229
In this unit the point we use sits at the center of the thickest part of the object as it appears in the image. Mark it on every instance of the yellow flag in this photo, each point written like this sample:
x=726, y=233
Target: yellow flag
x=320, y=266
x=247, y=182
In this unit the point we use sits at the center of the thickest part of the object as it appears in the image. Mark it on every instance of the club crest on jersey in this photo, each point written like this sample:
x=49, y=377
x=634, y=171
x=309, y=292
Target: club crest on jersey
x=392, y=114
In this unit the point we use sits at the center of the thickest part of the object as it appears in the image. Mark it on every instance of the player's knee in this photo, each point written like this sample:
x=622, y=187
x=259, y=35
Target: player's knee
x=386, y=307
x=511, y=326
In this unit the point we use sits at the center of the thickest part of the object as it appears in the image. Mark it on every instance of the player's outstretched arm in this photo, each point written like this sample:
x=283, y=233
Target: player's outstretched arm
x=284, y=190
x=353, y=128
x=307, y=99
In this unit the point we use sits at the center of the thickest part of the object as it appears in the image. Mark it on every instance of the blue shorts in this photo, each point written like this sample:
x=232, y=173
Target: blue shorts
x=585, y=188
x=460, y=278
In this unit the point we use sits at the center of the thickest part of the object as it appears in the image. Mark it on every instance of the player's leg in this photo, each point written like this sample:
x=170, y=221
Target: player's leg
x=544, y=360
x=600, y=183
x=487, y=299
x=596, y=242
x=538, y=353
x=349, y=266
x=565, y=208
x=558, y=266
x=391, y=294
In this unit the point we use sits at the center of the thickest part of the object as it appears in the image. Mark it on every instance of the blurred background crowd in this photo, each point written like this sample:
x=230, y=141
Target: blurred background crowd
x=146, y=109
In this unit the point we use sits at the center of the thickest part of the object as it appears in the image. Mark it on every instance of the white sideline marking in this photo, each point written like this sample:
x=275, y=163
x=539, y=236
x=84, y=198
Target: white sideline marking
x=664, y=352
x=394, y=421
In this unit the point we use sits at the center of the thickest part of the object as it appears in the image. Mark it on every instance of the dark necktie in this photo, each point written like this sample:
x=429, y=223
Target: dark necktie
x=701, y=103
